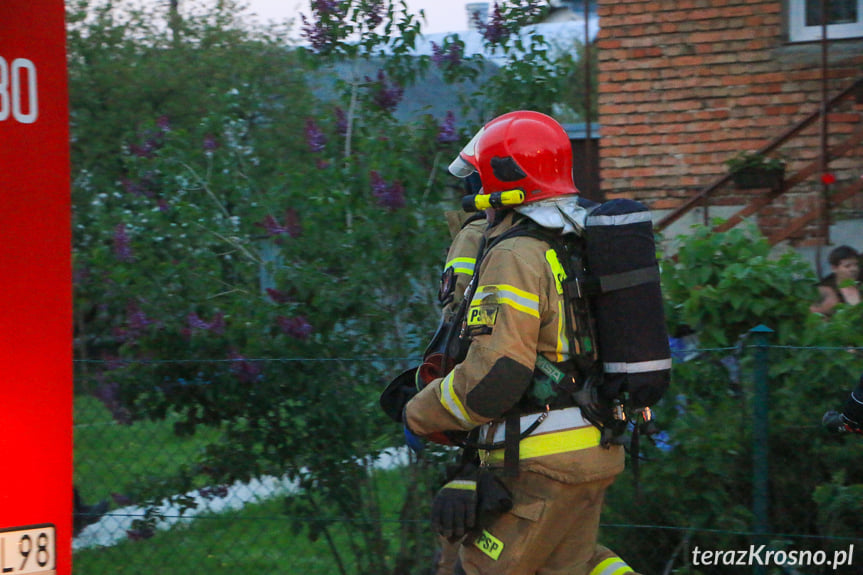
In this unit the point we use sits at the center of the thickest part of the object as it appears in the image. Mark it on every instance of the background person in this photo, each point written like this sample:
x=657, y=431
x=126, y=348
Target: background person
x=842, y=284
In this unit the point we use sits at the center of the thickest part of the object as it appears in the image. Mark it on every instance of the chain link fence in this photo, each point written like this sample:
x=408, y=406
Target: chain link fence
x=655, y=523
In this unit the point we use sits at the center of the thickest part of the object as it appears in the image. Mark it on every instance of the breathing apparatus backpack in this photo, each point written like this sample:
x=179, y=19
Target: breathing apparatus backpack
x=621, y=359
x=628, y=305
x=620, y=355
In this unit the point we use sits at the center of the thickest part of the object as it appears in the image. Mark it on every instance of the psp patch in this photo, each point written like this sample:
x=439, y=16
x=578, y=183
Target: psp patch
x=482, y=315
x=489, y=544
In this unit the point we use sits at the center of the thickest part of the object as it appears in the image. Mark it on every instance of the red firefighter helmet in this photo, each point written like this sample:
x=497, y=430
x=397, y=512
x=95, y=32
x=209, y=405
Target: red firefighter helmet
x=522, y=150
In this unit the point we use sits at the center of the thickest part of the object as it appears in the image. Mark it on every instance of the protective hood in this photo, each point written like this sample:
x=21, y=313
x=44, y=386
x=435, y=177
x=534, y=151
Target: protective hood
x=565, y=214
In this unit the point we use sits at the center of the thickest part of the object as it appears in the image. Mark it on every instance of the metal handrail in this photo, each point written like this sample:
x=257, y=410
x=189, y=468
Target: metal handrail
x=701, y=196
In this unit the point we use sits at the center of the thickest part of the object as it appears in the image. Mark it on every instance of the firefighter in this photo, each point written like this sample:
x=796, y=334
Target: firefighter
x=459, y=267
x=534, y=502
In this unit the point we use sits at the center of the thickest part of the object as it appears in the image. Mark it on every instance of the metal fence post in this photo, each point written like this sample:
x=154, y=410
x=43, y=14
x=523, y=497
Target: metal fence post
x=760, y=433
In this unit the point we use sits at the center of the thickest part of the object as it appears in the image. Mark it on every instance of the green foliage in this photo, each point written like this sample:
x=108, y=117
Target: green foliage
x=721, y=283
x=754, y=161
x=236, y=241
x=246, y=254
x=699, y=476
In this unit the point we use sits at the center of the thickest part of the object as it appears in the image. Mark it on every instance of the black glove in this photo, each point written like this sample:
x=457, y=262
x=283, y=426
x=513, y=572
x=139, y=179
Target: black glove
x=472, y=500
x=455, y=505
x=398, y=393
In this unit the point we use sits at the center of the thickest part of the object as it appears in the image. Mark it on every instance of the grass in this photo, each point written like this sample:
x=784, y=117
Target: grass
x=112, y=458
x=258, y=539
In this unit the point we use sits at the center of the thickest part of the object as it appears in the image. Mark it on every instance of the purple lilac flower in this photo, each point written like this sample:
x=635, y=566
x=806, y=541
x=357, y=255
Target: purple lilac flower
x=315, y=137
x=278, y=296
x=136, y=320
x=291, y=225
x=272, y=226
x=386, y=95
x=447, y=132
x=326, y=7
x=390, y=196
x=109, y=394
x=322, y=31
x=374, y=14
x=163, y=123
x=449, y=57
x=341, y=121
x=135, y=188
x=139, y=151
x=211, y=144
x=297, y=327
x=151, y=142
x=244, y=370
x=215, y=325
x=121, y=499
x=122, y=244
x=496, y=30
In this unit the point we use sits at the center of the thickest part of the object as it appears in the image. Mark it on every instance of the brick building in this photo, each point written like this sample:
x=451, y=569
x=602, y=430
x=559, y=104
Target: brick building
x=684, y=85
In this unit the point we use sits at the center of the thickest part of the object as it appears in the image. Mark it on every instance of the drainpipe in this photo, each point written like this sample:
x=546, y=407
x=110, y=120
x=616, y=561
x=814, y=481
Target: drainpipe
x=825, y=187
x=588, y=142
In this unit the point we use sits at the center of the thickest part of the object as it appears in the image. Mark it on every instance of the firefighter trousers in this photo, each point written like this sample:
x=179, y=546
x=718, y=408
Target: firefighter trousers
x=551, y=530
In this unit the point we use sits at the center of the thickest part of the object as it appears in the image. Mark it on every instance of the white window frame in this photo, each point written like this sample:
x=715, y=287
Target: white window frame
x=799, y=32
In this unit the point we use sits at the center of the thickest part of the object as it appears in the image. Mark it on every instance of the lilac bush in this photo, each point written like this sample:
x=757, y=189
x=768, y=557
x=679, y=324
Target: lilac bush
x=237, y=238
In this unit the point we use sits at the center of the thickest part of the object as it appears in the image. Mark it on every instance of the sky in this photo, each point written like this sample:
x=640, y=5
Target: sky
x=441, y=15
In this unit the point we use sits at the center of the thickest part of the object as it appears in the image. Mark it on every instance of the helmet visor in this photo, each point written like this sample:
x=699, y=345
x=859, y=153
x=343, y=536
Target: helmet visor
x=465, y=163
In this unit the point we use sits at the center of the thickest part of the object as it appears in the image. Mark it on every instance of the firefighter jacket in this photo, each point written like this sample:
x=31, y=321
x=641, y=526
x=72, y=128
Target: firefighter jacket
x=516, y=312
x=460, y=263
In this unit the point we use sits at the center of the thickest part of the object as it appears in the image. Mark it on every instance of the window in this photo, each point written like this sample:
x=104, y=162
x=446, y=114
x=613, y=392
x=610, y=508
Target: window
x=844, y=19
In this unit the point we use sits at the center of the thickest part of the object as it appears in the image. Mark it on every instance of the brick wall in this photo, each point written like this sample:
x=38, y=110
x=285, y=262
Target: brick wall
x=686, y=84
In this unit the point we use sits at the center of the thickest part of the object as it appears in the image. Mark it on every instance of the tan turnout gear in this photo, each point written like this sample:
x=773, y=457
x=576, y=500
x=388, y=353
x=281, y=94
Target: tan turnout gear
x=516, y=319
x=461, y=257
x=516, y=312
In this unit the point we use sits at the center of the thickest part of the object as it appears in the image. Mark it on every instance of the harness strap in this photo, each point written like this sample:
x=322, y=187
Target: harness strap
x=511, y=443
x=614, y=282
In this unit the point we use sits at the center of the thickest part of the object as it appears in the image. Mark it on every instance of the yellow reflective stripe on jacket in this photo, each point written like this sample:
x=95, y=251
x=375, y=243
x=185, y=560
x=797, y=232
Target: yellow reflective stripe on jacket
x=562, y=348
x=612, y=566
x=452, y=403
x=462, y=265
x=561, y=351
x=509, y=295
x=552, y=443
x=556, y=269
